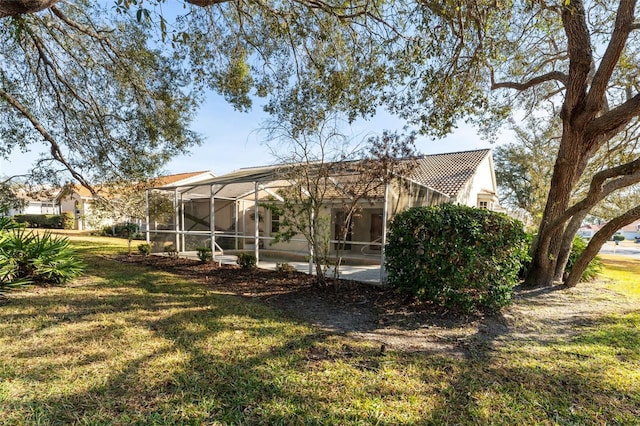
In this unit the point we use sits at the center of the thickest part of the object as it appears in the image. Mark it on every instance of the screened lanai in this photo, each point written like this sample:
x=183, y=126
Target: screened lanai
x=231, y=213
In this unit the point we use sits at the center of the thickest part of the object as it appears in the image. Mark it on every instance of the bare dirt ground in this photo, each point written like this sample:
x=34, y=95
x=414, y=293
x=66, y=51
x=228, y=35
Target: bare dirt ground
x=398, y=321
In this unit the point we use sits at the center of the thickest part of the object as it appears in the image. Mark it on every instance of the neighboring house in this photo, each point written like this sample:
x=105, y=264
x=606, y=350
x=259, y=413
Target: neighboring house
x=631, y=231
x=189, y=178
x=78, y=200
x=41, y=201
x=222, y=211
x=589, y=230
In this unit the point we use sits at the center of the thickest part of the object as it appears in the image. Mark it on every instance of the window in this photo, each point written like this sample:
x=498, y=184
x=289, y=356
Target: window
x=275, y=222
x=483, y=204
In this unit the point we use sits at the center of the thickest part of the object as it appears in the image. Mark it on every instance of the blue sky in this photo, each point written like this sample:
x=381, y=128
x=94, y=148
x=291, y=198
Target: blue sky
x=232, y=139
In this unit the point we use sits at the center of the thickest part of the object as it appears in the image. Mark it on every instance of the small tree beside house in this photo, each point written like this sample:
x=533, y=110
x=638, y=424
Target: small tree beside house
x=124, y=204
x=382, y=160
x=312, y=156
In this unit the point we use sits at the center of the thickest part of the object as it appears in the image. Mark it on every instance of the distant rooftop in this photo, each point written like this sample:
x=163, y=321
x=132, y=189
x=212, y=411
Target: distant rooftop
x=169, y=179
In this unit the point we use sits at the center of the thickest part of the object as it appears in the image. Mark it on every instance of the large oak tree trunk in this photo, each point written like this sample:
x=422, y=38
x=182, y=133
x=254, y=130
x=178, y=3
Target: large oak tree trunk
x=567, y=244
x=549, y=241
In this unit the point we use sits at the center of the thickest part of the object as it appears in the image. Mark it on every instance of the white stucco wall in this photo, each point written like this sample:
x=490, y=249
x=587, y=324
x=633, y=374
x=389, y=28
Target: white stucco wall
x=481, y=185
x=36, y=207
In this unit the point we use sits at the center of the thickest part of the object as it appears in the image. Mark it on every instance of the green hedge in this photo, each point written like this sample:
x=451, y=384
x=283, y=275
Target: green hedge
x=48, y=221
x=594, y=267
x=123, y=230
x=456, y=256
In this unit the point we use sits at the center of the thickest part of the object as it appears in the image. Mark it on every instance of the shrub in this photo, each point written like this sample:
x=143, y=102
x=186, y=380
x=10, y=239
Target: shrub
x=47, y=221
x=144, y=249
x=106, y=231
x=594, y=267
x=26, y=257
x=456, y=256
x=205, y=254
x=126, y=230
x=68, y=220
x=579, y=245
x=246, y=260
x=284, y=268
x=618, y=237
x=171, y=250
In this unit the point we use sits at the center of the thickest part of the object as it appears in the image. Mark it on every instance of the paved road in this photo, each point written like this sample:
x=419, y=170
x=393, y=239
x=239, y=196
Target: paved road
x=626, y=248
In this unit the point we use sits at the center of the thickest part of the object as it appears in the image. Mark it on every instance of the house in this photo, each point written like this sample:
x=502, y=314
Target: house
x=230, y=212
x=37, y=201
x=79, y=201
x=587, y=231
x=631, y=231
x=466, y=177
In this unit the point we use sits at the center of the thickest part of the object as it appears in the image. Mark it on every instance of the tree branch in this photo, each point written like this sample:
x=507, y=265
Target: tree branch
x=550, y=76
x=596, y=242
x=19, y=7
x=613, y=119
x=627, y=174
x=80, y=27
x=617, y=42
x=5, y=181
x=206, y=3
x=56, y=152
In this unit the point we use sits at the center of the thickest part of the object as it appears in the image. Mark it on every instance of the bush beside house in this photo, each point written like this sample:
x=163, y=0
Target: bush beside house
x=47, y=221
x=456, y=256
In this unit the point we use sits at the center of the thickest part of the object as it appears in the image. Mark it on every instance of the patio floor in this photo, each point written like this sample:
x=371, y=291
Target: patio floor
x=362, y=273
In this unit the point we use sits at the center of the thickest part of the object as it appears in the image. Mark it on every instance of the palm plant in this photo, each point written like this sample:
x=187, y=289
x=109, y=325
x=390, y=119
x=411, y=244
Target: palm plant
x=30, y=258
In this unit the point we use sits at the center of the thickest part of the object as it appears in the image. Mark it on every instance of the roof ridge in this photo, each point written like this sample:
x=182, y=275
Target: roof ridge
x=454, y=152
x=185, y=173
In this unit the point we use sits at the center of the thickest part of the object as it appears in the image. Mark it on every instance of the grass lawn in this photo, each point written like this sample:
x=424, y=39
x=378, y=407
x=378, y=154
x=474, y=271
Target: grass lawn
x=129, y=345
x=622, y=274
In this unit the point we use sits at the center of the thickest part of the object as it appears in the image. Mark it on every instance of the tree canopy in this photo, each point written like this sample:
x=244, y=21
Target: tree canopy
x=89, y=84
x=574, y=60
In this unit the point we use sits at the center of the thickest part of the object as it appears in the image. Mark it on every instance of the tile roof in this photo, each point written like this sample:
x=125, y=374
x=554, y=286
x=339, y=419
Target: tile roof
x=37, y=194
x=82, y=191
x=449, y=172
x=445, y=173
x=159, y=181
x=169, y=179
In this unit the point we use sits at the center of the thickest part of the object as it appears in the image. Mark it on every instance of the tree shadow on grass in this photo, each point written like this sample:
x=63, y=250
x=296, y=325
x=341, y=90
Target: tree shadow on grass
x=587, y=379
x=159, y=352
x=150, y=348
